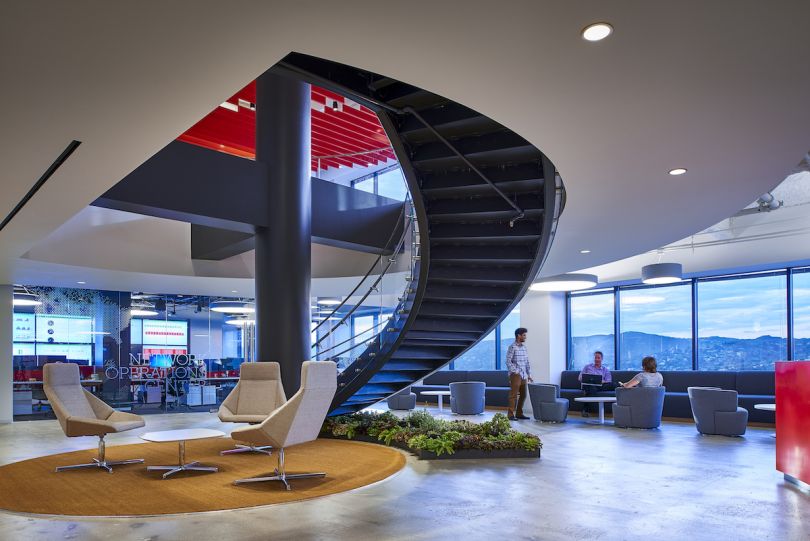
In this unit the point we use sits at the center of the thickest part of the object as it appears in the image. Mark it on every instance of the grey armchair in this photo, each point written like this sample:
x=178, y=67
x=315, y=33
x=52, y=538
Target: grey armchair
x=467, y=397
x=638, y=407
x=258, y=394
x=299, y=420
x=403, y=400
x=80, y=413
x=716, y=411
x=547, y=404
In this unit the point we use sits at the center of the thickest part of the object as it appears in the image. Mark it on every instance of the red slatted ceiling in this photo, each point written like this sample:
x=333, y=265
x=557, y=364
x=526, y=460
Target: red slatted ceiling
x=339, y=126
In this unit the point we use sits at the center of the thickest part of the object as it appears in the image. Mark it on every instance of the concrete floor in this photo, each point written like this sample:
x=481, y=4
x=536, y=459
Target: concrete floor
x=593, y=482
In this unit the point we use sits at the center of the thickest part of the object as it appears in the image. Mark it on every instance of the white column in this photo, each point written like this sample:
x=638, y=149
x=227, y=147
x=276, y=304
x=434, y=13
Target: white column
x=6, y=350
x=543, y=314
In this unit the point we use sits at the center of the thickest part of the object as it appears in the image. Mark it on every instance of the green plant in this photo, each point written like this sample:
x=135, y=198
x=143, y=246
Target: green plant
x=421, y=431
x=423, y=421
x=390, y=434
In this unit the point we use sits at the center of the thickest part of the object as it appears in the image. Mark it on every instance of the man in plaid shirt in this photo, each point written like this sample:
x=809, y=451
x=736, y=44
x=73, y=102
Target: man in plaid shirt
x=520, y=371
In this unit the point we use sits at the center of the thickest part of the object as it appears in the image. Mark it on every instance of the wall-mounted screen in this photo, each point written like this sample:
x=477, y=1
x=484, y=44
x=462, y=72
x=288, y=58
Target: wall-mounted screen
x=135, y=330
x=64, y=329
x=150, y=351
x=158, y=332
x=72, y=352
x=24, y=328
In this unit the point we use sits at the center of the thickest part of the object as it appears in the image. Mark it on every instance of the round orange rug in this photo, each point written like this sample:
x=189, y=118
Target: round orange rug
x=32, y=486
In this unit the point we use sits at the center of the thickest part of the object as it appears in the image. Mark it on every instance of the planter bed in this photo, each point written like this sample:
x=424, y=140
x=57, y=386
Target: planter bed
x=429, y=438
x=479, y=454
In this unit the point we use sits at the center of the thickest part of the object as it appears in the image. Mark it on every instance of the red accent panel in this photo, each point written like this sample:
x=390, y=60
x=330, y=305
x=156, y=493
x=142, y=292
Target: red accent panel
x=339, y=126
x=793, y=419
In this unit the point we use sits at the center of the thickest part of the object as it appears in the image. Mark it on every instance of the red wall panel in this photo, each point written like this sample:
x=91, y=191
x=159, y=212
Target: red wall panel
x=793, y=419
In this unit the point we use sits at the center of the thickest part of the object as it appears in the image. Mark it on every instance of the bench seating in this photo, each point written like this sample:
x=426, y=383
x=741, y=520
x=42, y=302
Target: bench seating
x=753, y=387
x=497, y=384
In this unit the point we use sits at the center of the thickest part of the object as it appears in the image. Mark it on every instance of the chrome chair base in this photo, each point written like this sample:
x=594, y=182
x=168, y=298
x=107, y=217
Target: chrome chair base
x=107, y=465
x=279, y=477
x=279, y=474
x=264, y=449
x=101, y=461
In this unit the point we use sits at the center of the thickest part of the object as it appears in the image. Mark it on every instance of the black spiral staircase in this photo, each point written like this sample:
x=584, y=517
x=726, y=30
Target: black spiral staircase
x=485, y=202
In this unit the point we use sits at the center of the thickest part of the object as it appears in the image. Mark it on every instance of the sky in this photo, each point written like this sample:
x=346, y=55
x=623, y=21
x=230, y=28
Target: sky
x=742, y=308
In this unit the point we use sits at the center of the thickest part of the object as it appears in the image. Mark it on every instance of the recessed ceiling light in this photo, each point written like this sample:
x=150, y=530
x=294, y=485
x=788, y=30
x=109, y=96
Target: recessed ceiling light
x=234, y=291
x=677, y=171
x=584, y=251
x=597, y=31
x=81, y=283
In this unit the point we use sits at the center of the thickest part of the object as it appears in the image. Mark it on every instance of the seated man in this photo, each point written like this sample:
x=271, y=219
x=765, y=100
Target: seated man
x=595, y=368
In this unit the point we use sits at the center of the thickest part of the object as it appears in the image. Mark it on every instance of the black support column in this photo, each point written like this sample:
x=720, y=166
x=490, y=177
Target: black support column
x=283, y=247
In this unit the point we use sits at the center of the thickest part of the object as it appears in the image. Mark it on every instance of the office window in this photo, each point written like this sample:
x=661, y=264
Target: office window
x=366, y=185
x=392, y=184
x=742, y=322
x=656, y=321
x=480, y=357
x=592, y=329
x=801, y=315
x=508, y=326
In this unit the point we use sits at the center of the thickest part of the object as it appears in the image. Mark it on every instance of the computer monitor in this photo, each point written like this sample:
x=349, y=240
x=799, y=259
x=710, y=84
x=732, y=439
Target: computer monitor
x=160, y=360
x=231, y=363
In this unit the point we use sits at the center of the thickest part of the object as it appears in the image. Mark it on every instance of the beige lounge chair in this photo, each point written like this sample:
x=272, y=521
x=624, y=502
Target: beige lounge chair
x=258, y=393
x=80, y=413
x=299, y=420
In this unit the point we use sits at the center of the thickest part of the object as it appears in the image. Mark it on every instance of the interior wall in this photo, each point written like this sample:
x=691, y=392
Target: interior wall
x=543, y=314
x=6, y=346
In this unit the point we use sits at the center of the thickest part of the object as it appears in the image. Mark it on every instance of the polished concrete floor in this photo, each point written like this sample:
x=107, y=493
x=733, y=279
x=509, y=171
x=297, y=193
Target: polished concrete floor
x=592, y=482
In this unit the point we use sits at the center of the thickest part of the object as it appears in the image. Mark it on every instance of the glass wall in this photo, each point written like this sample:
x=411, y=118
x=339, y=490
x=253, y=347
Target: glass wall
x=507, y=334
x=490, y=352
x=480, y=357
x=387, y=182
x=656, y=321
x=801, y=314
x=591, y=328
x=146, y=353
x=742, y=322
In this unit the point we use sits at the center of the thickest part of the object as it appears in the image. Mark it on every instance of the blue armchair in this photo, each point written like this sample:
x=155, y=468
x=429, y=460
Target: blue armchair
x=716, y=411
x=403, y=400
x=638, y=407
x=467, y=397
x=547, y=404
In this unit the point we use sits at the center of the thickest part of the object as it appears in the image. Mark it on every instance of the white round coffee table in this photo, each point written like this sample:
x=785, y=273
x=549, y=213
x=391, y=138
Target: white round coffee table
x=439, y=394
x=765, y=407
x=599, y=400
x=181, y=436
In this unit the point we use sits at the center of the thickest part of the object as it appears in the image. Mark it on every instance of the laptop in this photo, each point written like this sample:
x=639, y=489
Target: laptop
x=592, y=379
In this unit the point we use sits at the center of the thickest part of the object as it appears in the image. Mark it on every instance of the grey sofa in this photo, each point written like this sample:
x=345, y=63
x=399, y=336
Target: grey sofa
x=467, y=397
x=754, y=387
x=497, y=384
x=638, y=407
x=547, y=404
x=716, y=411
x=403, y=400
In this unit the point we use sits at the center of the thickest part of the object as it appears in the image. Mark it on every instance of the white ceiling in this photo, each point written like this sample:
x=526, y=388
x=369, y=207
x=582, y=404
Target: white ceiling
x=741, y=243
x=715, y=87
